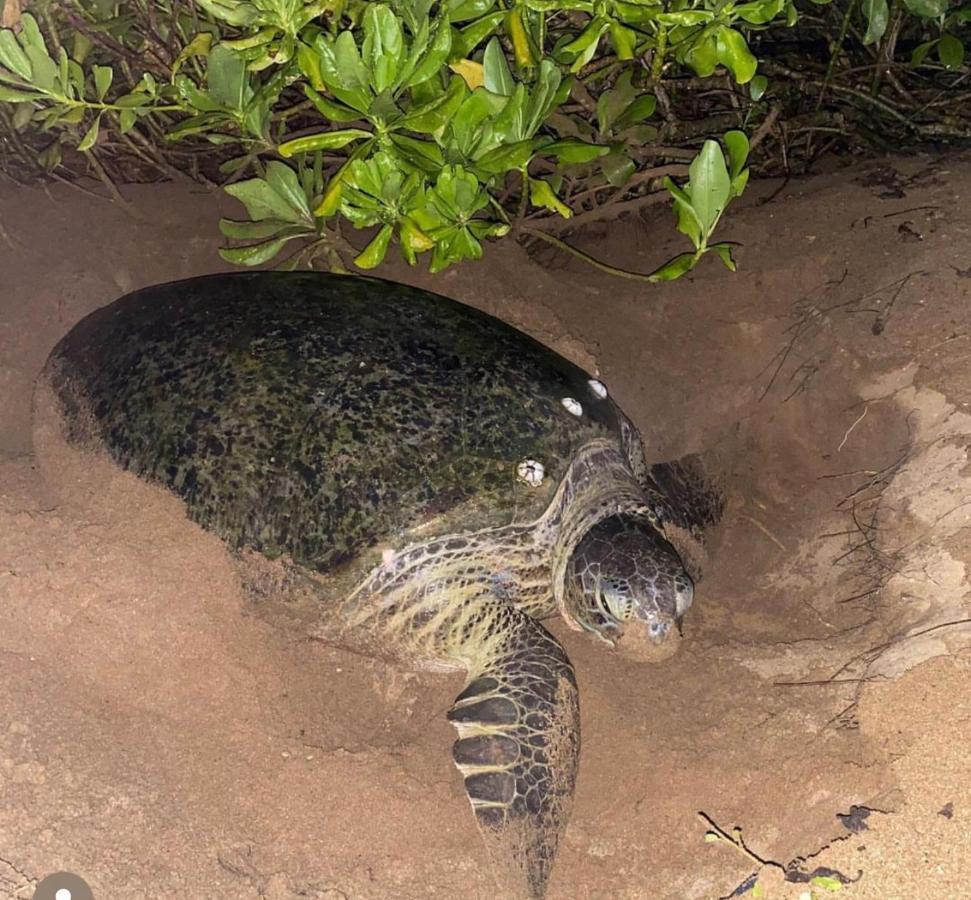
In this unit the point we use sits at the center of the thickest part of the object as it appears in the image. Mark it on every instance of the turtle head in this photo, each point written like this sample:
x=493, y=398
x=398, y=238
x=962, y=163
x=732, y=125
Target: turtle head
x=627, y=584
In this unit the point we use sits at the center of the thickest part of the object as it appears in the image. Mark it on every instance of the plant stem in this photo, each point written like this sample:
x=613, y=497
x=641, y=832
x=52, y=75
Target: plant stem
x=585, y=257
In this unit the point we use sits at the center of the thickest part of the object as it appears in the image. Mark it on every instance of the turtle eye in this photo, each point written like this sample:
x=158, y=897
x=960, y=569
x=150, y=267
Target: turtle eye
x=616, y=600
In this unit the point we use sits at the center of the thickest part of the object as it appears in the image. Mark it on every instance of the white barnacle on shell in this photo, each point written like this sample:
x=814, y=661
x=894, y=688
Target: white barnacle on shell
x=531, y=472
x=572, y=406
x=599, y=388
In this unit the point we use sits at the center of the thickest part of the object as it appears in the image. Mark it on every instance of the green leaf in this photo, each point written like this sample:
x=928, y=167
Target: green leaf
x=262, y=37
x=343, y=67
x=373, y=254
x=757, y=86
x=483, y=228
x=43, y=68
x=542, y=194
x=724, y=251
x=262, y=201
x=308, y=61
x=231, y=11
x=102, y=80
x=505, y=158
x=611, y=103
x=498, y=78
x=336, y=112
x=331, y=200
x=671, y=271
x=425, y=155
x=254, y=254
x=197, y=99
x=571, y=150
x=759, y=12
x=709, y=186
x=413, y=240
x=12, y=56
x=463, y=10
x=81, y=46
x=383, y=45
x=437, y=113
x=586, y=43
x=739, y=182
x=688, y=222
x=252, y=231
x=91, y=135
x=126, y=120
x=420, y=34
x=702, y=56
x=877, y=13
x=66, y=115
x=624, y=40
x=434, y=59
x=284, y=181
x=733, y=52
x=509, y=125
x=22, y=116
x=685, y=18
x=920, y=53
x=543, y=96
x=826, y=882
x=465, y=40
x=466, y=125
x=75, y=76
x=326, y=140
x=194, y=125
x=642, y=108
x=9, y=95
x=227, y=79
x=618, y=167
x=522, y=42
x=950, y=51
x=200, y=45
x=64, y=74
x=928, y=9
x=738, y=150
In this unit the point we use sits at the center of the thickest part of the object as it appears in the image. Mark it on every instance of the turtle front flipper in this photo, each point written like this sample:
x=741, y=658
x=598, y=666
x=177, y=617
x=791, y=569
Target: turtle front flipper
x=518, y=721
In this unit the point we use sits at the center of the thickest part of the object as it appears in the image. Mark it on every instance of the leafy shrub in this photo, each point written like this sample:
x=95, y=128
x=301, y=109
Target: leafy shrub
x=439, y=124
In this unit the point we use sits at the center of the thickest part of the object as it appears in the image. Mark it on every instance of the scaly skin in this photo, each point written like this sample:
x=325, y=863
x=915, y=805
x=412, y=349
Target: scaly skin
x=470, y=601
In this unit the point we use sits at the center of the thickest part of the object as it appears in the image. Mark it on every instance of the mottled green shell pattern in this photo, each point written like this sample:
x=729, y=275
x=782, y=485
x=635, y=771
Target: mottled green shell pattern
x=317, y=415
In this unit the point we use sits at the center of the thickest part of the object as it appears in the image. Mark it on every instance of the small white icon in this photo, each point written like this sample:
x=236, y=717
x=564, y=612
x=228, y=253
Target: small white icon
x=572, y=406
x=62, y=894
x=531, y=472
x=598, y=387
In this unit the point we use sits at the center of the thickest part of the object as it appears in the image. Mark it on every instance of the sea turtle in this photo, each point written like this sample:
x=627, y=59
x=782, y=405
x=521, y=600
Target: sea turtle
x=435, y=482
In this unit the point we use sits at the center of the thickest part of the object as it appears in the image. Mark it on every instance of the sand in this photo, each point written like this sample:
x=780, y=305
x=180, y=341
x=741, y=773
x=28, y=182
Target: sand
x=160, y=741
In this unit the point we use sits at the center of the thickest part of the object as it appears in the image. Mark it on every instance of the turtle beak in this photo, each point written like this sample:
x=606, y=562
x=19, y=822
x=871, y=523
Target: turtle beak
x=684, y=597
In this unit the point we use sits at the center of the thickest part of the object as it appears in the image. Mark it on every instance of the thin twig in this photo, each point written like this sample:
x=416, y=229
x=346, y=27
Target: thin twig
x=585, y=257
x=598, y=214
x=850, y=429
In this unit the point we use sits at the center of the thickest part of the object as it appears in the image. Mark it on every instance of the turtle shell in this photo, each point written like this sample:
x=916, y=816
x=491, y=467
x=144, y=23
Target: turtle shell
x=315, y=416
